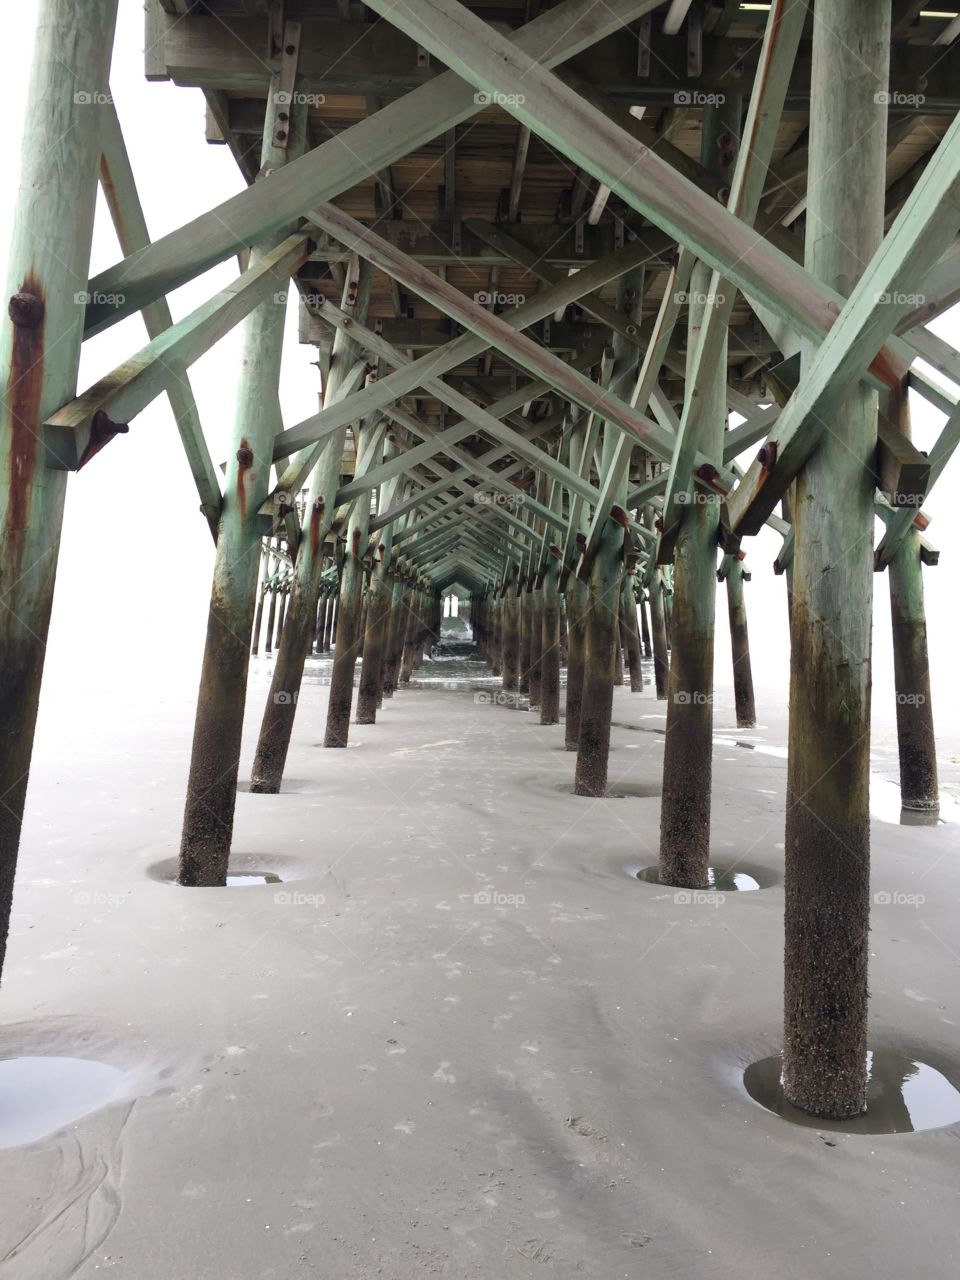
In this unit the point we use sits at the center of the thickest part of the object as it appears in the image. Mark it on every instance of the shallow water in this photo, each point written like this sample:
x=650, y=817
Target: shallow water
x=38, y=1096
x=903, y=1096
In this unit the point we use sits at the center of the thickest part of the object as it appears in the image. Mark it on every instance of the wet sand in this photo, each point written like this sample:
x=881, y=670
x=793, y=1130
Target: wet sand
x=460, y=1038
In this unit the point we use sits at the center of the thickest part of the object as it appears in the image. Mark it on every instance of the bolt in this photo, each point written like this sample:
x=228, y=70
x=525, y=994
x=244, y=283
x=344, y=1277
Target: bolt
x=26, y=310
x=768, y=455
x=281, y=135
x=244, y=456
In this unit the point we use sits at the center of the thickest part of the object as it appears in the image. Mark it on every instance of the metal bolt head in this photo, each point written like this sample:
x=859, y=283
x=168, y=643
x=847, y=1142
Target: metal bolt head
x=26, y=310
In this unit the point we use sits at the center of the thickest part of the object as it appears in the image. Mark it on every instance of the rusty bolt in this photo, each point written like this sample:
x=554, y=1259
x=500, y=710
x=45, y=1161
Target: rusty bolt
x=346, y=322
x=707, y=472
x=26, y=310
x=281, y=134
x=318, y=505
x=768, y=455
x=631, y=330
x=290, y=50
x=244, y=456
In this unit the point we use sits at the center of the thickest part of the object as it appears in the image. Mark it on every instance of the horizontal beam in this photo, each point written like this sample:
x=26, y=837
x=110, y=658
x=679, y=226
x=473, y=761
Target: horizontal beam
x=128, y=389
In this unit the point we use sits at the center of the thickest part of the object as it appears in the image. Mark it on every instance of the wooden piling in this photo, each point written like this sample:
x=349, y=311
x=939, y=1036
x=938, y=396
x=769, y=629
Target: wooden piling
x=40, y=335
x=630, y=632
x=550, y=641
x=577, y=598
x=688, y=746
x=916, y=741
x=215, y=758
x=602, y=626
x=280, y=711
x=744, y=706
x=827, y=853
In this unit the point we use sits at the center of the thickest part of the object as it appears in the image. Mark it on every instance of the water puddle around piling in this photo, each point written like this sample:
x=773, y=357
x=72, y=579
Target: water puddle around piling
x=246, y=870
x=903, y=1096
x=617, y=791
x=719, y=880
x=39, y=1096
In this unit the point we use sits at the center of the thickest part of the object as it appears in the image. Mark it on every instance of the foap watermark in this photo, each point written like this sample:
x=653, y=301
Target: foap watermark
x=699, y=898
x=911, y=699
x=894, y=98
x=694, y=298
x=498, y=698
x=84, y=298
x=97, y=898
x=315, y=300
x=697, y=498
x=899, y=299
x=493, y=98
x=92, y=98
x=487, y=498
x=487, y=299
x=697, y=98
x=286, y=697
x=896, y=898
x=493, y=898
x=692, y=697
x=296, y=98
x=296, y=898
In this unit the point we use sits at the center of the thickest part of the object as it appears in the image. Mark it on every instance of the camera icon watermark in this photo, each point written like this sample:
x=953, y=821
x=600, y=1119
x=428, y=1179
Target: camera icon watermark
x=92, y=98
x=487, y=299
x=699, y=898
x=84, y=298
x=493, y=98
x=284, y=698
x=298, y=99
x=885, y=98
x=697, y=98
x=296, y=898
x=692, y=697
x=97, y=898
x=491, y=898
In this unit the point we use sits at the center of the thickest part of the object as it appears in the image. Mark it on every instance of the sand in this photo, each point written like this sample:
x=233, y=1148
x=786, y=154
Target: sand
x=464, y=1042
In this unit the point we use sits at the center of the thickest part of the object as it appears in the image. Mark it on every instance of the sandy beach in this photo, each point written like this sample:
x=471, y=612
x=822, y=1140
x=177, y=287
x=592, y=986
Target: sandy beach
x=459, y=1038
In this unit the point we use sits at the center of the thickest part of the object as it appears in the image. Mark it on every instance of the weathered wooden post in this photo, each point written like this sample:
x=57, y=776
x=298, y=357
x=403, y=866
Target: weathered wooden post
x=280, y=711
x=272, y=580
x=602, y=624
x=688, y=746
x=378, y=603
x=262, y=591
x=732, y=572
x=827, y=853
x=40, y=338
x=369, y=448
x=577, y=599
x=550, y=641
x=661, y=656
x=644, y=626
x=526, y=629
x=535, y=670
x=283, y=590
x=628, y=627
x=511, y=635
x=919, y=786
x=396, y=629
x=215, y=758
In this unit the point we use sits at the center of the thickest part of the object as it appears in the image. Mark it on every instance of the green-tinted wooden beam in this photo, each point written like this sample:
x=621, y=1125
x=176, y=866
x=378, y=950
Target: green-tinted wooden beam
x=367, y=147
x=442, y=360
x=926, y=225
x=780, y=40
x=583, y=134
x=124, y=392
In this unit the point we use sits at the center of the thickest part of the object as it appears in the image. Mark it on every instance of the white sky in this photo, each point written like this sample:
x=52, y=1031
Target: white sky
x=136, y=555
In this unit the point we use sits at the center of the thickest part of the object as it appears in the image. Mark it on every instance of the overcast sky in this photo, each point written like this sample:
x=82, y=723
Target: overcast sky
x=136, y=555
